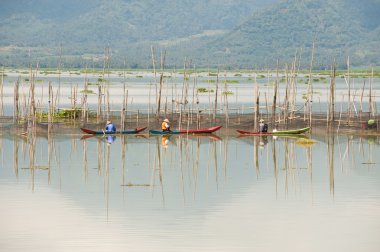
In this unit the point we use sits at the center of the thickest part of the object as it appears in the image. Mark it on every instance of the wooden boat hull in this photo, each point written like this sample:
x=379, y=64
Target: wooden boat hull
x=160, y=132
x=130, y=131
x=276, y=133
x=186, y=131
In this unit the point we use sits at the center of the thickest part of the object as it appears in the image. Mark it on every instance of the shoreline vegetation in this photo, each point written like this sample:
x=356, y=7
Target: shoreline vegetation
x=347, y=113
x=357, y=72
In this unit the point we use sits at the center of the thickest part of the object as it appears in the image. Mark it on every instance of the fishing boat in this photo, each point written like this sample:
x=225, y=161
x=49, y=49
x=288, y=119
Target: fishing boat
x=186, y=131
x=275, y=133
x=102, y=132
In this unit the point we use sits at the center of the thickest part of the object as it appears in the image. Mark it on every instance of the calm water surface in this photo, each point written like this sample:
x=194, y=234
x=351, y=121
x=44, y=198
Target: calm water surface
x=64, y=193
x=142, y=91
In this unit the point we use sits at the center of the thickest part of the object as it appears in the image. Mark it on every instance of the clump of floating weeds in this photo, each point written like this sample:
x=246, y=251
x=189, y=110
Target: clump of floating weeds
x=64, y=113
x=228, y=93
x=131, y=184
x=87, y=92
x=205, y=90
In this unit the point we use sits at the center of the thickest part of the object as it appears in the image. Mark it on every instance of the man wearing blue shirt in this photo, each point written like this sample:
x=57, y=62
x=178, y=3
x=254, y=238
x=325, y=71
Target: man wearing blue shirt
x=110, y=127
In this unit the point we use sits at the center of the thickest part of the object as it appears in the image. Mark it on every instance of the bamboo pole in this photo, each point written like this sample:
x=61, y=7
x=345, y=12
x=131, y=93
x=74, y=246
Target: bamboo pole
x=193, y=96
x=108, y=83
x=99, y=110
x=257, y=104
x=216, y=97
x=275, y=87
x=286, y=98
x=2, y=93
x=371, y=107
x=310, y=87
x=75, y=91
x=16, y=110
x=122, y=111
x=172, y=94
x=32, y=105
x=340, y=114
x=84, y=98
x=173, y=82
x=166, y=98
x=361, y=101
x=59, y=74
x=161, y=84
x=226, y=99
x=348, y=81
x=154, y=72
x=293, y=76
x=332, y=92
x=49, y=107
x=209, y=95
x=198, y=111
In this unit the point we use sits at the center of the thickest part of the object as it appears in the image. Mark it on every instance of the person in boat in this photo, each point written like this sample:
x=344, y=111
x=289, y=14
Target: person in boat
x=110, y=127
x=165, y=126
x=263, y=127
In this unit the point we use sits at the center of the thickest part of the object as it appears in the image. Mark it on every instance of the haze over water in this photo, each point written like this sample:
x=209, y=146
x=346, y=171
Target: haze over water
x=215, y=193
x=234, y=91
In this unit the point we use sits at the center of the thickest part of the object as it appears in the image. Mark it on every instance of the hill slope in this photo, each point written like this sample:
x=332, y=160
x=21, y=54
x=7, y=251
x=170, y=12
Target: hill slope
x=339, y=28
x=239, y=34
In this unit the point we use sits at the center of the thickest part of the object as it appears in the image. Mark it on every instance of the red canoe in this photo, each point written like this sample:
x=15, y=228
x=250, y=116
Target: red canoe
x=186, y=131
x=203, y=130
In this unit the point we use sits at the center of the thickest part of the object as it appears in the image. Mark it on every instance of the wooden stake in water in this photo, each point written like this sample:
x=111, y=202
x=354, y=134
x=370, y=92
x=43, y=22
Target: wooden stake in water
x=154, y=72
x=286, y=98
x=59, y=74
x=31, y=96
x=257, y=104
x=50, y=107
x=275, y=87
x=310, y=87
x=371, y=108
x=348, y=82
x=2, y=93
x=216, y=97
x=332, y=93
x=161, y=84
x=84, y=100
x=16, y=107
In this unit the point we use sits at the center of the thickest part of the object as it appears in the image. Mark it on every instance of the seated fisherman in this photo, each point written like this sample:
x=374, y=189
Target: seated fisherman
x=110, y=127
x=165, y=126
x=263, y=127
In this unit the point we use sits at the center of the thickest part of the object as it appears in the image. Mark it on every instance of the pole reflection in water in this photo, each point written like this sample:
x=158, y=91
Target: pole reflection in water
x=154, y=194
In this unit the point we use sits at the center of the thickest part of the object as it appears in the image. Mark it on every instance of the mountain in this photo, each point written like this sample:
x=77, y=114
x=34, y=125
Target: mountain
x=339, y=29
x=213, y=33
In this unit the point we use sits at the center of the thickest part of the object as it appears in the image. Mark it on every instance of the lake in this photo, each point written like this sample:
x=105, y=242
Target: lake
x=234, y=93
x=188, y=193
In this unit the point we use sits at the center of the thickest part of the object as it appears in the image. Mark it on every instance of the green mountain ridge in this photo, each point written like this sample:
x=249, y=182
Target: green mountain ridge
x=215, y=33
x=292, y=26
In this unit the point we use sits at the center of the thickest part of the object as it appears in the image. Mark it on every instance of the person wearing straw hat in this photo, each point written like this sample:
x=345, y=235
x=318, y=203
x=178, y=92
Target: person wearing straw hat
x=110, y=127
x=165, y=126
x=263, y=127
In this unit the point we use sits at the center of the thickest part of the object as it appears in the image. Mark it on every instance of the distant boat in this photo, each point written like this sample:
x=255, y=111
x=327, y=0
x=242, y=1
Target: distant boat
x=186, y=131
x=275, y=133
x=101, y=132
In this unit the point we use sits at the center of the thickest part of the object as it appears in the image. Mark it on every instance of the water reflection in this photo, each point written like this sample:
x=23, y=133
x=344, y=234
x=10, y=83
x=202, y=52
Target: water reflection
x=110, y=139
x=170, y=193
